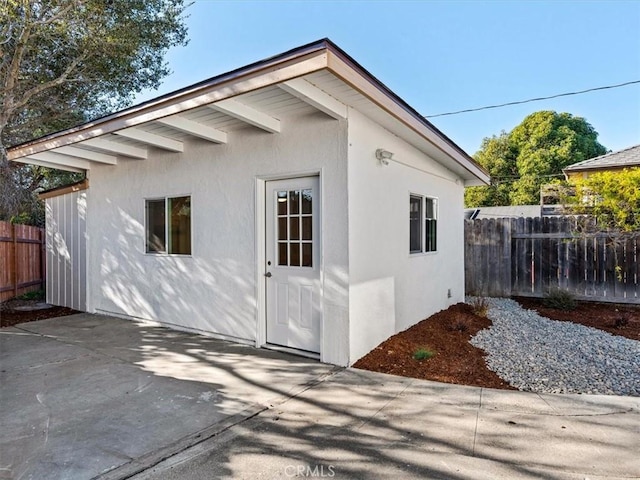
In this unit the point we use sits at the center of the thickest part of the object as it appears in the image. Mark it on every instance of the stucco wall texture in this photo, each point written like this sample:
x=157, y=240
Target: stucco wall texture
x=371, y=286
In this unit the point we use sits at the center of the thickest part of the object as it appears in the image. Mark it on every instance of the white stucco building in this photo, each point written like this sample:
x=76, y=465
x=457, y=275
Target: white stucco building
x=294, y=203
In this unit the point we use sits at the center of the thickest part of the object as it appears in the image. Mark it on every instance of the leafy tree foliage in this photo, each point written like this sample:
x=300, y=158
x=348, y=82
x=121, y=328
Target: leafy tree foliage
x=613, y=198
x=532, y=154
x=65, y=61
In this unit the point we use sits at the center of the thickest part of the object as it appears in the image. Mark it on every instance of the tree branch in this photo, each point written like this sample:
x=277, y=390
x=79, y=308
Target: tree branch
x=29, y=94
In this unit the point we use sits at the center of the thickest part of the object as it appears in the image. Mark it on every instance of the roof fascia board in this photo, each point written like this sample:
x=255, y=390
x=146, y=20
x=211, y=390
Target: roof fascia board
x=63, y=190
x=585, y=168
x=269, y=74
x=343, y=67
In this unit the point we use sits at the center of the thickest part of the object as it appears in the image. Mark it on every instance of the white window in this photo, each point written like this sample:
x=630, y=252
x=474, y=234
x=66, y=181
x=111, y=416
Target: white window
x=168, y=225
x=423, y=224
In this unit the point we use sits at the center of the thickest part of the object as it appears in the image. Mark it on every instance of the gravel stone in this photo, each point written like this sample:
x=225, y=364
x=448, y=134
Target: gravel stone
x=536, y=354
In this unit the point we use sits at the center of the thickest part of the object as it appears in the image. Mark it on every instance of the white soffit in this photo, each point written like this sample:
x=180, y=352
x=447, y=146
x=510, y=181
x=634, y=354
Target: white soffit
x=315, y=77
x=250, y=115
x=159, y=141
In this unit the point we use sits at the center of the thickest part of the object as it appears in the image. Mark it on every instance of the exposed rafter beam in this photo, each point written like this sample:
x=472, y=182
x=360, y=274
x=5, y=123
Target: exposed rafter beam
x=152, y=139
x=55, y=160
x=247, y=114
x=305, y=91
x=33, y=161
x=117, y=148
x=87, y=155
x=194, y=128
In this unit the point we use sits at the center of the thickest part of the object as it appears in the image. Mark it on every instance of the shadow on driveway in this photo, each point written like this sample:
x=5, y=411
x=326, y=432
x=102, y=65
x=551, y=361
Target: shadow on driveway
x=93, y=396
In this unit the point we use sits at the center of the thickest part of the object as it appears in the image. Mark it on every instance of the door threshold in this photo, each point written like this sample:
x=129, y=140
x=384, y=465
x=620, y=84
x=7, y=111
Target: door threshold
x=292, y=351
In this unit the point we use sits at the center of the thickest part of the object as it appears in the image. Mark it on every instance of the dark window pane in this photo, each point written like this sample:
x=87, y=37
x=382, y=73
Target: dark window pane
x=294, y=232
x=307, y=199
x=415, y=222
x=294, y=254
x=294, y=202
x=180, y=225
x=307, y=233
x=282, y=228
x=282, y=254
x=430, y=211
x=432, y=234
x=155, y=220
x=282, y=203
x=307, y=255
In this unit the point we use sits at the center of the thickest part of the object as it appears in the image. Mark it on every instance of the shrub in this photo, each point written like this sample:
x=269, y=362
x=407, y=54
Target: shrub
x=423, y=354
x=459, y=326
x=35, y=295
x=621, y=322
x=480, y=306
x=559, y=299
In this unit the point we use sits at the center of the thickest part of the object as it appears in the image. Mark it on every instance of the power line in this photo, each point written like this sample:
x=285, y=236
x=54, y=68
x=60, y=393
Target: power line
x=533, y=99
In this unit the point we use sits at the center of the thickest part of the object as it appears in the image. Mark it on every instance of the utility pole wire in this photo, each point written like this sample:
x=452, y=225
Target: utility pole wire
x=533, y=99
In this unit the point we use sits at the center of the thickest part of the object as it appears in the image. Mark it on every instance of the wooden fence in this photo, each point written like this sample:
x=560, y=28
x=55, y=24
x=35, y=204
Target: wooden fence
x=22, y=259
x=531, y=256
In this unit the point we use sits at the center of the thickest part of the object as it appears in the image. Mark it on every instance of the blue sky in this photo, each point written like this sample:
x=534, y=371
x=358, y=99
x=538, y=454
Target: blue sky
x=445, y=56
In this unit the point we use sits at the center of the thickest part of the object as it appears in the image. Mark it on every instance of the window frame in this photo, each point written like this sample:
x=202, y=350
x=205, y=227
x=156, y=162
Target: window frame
x=167, y=221
x=423, y=224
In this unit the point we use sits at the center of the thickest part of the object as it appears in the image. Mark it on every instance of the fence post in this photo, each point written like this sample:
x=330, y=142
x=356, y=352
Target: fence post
x=43, y=258
x=506, y=257
x=14, y=240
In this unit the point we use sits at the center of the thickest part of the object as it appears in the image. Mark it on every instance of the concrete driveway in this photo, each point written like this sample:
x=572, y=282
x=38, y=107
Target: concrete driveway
x=96, y=397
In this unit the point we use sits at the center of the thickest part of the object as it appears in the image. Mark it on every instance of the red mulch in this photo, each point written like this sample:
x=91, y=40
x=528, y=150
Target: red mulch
x=10, y=317
x=447, y=333
x=623, y=320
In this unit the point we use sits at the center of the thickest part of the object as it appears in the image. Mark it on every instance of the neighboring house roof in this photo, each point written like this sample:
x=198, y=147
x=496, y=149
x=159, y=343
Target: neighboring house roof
x=629, y=157
x=317, y=76
x=508, y=211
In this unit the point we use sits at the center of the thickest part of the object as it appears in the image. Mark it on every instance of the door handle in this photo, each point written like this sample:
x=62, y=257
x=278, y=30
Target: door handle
x=268, y=274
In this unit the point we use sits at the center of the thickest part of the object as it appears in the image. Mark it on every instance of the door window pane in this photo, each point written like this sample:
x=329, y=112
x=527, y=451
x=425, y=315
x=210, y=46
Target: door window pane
x=294, y=202
x=307, y=228
x=307, y=198
x=307, y=255
x=282, y=229
x=294, y=254
x=282, y=203
x=294, y=232
x=283, y=259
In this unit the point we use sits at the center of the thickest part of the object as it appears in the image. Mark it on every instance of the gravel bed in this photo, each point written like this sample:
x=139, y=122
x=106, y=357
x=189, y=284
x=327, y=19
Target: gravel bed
x=536, y=354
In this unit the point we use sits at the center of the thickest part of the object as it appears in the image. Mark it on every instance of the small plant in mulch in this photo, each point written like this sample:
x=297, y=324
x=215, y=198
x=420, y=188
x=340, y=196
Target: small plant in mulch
x=458, y=326
x=423, y=354
x=480, y=306
x=559, y=299
x=620, y=322
x=35, y=295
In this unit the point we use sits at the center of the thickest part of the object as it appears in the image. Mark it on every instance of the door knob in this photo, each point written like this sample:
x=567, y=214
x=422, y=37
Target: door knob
x=268, y=274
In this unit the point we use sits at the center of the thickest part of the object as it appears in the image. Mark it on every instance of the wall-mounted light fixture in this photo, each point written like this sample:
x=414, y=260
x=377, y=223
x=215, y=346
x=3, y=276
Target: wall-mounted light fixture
x=383, y=156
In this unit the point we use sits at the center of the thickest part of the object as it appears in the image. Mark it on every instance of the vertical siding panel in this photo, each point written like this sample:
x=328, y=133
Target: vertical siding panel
x=82, y=233
x=65, y=252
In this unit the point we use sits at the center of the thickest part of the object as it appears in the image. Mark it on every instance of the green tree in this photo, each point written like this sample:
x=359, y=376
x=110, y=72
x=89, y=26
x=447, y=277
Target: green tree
x=532, y=154
x=612, y=198
x=65, y=61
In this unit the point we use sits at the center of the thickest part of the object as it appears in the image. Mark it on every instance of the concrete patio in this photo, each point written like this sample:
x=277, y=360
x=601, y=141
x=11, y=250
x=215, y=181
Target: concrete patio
x=97, y=397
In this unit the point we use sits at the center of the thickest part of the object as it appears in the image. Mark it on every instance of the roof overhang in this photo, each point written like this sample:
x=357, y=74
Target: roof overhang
x=163, y=122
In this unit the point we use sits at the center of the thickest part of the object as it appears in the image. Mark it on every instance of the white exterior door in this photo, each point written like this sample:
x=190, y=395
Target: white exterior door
x=292, y=263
